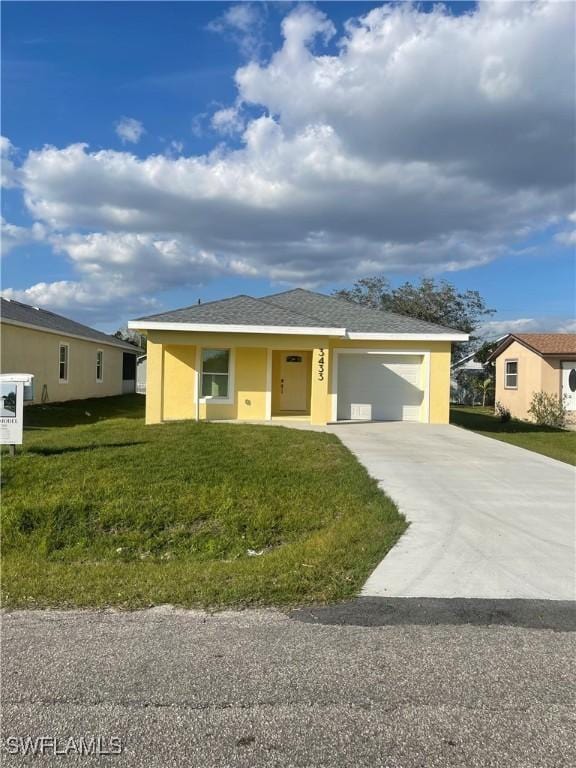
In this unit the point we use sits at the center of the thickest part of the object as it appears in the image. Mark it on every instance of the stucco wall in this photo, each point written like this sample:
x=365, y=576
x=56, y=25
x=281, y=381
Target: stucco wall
x=179, y=377
x=249, y=386
x=534, y=374
x=26, y=350
x=552, y=376
x=174, y=356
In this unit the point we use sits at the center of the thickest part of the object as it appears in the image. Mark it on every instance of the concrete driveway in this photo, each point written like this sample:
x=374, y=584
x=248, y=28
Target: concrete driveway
x=487, y=519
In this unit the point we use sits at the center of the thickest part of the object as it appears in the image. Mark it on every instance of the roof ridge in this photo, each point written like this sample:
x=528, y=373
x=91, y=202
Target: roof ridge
x=526, y=340
x=543, y=333
x=201, y=304
x=263, y=299
x=363, y=307
x=294, y=312
x=78, y=327
x=388, y=312
x=258, y=300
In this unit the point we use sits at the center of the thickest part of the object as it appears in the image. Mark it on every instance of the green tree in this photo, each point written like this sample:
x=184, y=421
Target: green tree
x=484, y=352
x=10, y=401
x=370, y=292
x=436, y=302
x=132, y=337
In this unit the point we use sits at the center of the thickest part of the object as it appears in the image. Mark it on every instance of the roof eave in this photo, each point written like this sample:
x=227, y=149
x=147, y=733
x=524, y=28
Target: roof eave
x=367, y=336
x=289, y=330
x=149, y=325
x=56, y=332
x=510, y=339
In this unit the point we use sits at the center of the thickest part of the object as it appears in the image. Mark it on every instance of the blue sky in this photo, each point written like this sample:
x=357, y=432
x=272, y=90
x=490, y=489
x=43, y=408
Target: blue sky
x=242, y=149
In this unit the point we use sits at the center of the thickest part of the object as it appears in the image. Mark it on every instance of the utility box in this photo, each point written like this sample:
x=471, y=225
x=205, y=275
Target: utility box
x=12, y=406
x=361, y=411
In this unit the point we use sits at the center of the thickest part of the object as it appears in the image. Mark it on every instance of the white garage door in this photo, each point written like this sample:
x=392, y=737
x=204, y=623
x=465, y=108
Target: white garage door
x=390, y=384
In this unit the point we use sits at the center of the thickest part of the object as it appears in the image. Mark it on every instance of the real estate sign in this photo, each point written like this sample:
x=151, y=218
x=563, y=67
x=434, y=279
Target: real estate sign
x=12, y=406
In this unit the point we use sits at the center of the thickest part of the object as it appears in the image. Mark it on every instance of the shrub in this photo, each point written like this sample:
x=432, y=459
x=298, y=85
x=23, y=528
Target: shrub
x=548, y=410
x=502, y=412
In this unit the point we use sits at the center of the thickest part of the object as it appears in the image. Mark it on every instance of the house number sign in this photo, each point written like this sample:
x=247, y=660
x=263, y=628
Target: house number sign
x=321, y=361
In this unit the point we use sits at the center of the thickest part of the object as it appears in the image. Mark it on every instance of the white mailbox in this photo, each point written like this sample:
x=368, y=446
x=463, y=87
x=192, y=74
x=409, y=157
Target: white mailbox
x=12, y=404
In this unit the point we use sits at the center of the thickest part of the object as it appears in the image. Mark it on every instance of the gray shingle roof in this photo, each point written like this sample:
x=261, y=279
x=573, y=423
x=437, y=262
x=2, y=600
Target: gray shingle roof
x=238, y=310
x=43, y=319
x=298, y=308
x=331, y=310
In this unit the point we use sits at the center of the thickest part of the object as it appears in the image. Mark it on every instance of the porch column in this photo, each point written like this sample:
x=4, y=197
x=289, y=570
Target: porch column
x=268, y=390
x=154, y=382
x=320, y=401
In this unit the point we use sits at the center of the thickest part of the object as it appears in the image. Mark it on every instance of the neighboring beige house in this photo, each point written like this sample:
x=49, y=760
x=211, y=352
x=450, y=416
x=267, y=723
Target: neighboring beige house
x=69, y=361
x=535, y=362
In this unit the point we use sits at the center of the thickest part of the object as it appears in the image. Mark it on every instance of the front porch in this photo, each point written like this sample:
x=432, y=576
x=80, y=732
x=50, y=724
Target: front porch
x=257, y=382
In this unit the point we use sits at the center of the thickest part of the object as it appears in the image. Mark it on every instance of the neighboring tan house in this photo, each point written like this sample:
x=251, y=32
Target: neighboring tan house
x=535, y=362
x=69, y=361
x=296, y=354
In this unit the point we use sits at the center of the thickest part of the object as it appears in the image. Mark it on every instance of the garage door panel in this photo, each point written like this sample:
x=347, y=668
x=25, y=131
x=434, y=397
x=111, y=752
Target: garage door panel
x=391, y=384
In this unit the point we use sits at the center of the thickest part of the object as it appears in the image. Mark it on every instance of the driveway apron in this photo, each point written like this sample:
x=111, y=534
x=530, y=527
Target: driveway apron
x=487, y=519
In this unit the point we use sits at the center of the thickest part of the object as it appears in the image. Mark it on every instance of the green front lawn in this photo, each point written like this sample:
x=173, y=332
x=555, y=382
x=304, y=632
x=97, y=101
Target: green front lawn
x=556, y=443
x=100, y=510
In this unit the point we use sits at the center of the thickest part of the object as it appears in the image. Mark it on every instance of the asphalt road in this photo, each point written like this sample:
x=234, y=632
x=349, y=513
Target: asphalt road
x=259, y=688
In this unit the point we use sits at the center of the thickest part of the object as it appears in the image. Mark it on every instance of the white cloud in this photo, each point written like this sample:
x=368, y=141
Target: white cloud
x=175, y=147
x=143, y=260
x=568, y=237
x=13, y=236
x=426, y=142
x=90, y=301
x=481, y=94
x=569, y=326
x=9, y=175
x=129, y=130
x=493, y=329
x=121, y=270
x=228, y=121
x=243, y=23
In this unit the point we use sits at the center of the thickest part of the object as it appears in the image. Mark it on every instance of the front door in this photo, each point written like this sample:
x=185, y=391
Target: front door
x=569, y=384
x=293, y=381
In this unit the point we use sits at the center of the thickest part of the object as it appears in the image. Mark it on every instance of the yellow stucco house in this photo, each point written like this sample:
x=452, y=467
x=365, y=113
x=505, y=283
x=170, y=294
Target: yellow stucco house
x=69, y=361
x=295, y=355
x=535, y=362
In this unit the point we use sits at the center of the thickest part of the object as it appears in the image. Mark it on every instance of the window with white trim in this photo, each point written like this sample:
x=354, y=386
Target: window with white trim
x=215, y=373
x=99, y=365
x=63, y=358
x=511, y=374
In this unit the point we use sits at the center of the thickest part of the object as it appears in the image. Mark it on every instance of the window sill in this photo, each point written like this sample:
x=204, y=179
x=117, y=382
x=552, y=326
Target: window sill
x=216, y=400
